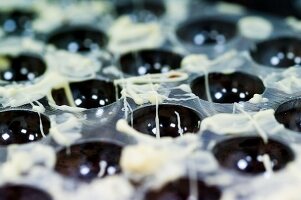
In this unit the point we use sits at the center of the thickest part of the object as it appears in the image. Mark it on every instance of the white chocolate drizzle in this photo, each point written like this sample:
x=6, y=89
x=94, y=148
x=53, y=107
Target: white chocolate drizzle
x=126, y=35
x=255, y=27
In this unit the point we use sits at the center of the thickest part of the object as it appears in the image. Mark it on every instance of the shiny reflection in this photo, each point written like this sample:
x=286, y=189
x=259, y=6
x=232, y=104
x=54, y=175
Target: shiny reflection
x=23, y=67
x=5, y=136
x=20, y=127
x=209, y=37
x=84, y=170
x=174, y=120
x=149, y=62
x=89, y=160
x=289, y=114
x=17, y=22
x=242, y=164
x=228, y=88
x=87, y=94
x=206, y=32
x=280, y=52
x=245, y=154
x=78, y=39
x=93, y=93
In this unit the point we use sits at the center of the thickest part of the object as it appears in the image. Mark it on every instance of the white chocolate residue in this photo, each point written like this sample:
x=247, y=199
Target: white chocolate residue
x=152, y=161
x=142, y=159
x=294, y=23
x=10, y=5
x=257, y=98
x=168, y=77
x=196, y=62
x=158, y=163
x=144, y=89
x=268, y=164
x=255, y=27
x=288, y=81
x=126, y=35
x=65, y=129
x=238, y=124
x=22, y=159
x=57, y=15
x=230, y=8
x=201, y=63
x=72, y=68
x=77, y=66
x=110, y=188
x=142, y=93
x=15, y=46
x=177, y=9
x=123, y=126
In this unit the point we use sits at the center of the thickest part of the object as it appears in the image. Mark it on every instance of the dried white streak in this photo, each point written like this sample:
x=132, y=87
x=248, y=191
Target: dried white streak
x=260, y=131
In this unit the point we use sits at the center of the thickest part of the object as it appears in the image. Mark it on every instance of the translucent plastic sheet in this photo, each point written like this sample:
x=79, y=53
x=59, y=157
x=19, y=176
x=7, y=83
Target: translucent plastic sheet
x=148, y=162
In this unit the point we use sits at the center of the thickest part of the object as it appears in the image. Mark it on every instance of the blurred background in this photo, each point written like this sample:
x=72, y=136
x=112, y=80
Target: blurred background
x=276, y=7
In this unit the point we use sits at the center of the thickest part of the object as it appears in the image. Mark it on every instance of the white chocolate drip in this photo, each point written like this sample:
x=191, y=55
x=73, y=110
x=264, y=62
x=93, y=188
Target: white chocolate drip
x=260, y=131
x=126, y=35
x=255, y=27
x=181, y=131
x=268, y=164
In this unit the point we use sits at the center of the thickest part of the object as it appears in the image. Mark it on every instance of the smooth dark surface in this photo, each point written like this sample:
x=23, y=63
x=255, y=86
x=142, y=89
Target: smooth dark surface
x=275, y=7
x=22, y=192
x=59, y=97
x=88, y=94
x=180, y=190
x=170, y=125
x=155, y=7
x=279, y=53
x=20, y=127
x=24, y=67
x=17, y=22
x=242, y=153
x=206, y=32
x=86, y=161
x=228, y=88
x=149, y=62
x=289, y=114
x=78, y=39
